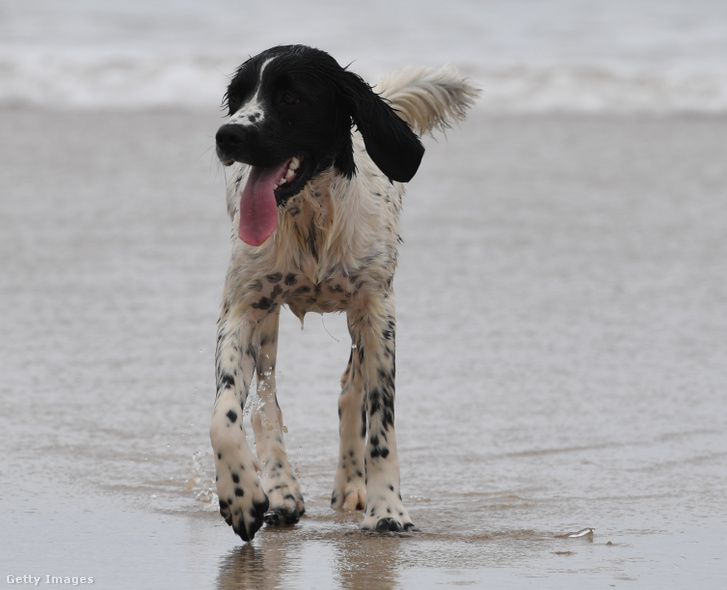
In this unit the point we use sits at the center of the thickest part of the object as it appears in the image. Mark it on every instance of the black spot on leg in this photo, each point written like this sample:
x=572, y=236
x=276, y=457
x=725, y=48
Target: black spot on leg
x=264, y=304
x=389, y=332
x=386, y=378
x=226, y=381
x=381, y=401
x=290, y=279
x=239, y=492
x=235, y=478
x=375, y=401
x=275, y=277
x=232, y=416
x=377, y=452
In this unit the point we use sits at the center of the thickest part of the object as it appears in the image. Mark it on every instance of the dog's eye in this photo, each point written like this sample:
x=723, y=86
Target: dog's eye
x=290, y=99
x=232, y=102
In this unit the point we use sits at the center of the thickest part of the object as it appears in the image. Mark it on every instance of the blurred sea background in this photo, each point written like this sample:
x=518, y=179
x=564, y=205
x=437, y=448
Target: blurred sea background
x=530, y=56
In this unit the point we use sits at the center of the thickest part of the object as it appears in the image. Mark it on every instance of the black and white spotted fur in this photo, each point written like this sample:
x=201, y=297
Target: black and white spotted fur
x=332, y=248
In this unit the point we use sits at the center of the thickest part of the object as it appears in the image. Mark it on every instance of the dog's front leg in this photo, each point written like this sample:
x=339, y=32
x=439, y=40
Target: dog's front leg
x=242, y=501
x=277, y=477
x=349, y=487
x=374, y=337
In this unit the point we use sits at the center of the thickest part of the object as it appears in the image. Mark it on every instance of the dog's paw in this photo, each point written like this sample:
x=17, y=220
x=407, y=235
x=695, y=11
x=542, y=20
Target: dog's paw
x=243, y=503
x=392, y=525
x=285, y=508
x=385, y=512
x=349, y=486
x=350, y=496
x=283, y=491
x=283, y=515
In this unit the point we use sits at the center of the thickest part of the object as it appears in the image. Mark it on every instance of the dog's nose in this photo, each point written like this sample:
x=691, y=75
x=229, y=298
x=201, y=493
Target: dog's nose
x=230, y=136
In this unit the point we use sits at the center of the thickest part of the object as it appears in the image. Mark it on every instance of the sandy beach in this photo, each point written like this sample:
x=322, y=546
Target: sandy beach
x=562, y=360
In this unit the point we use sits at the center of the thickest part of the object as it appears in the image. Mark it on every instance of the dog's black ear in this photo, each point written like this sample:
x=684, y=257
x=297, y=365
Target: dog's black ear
x=389, y=140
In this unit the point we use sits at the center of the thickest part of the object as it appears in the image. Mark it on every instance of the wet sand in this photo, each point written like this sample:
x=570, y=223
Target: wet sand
x=562, y=360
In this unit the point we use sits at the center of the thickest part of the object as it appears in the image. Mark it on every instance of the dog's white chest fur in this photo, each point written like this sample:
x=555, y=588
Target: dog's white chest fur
x=323, y=261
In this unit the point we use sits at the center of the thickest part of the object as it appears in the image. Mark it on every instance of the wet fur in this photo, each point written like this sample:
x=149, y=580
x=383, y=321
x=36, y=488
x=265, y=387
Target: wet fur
x=334, y=250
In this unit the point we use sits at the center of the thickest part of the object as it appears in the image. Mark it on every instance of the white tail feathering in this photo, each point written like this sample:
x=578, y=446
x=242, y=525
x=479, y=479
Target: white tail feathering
x=428, y=99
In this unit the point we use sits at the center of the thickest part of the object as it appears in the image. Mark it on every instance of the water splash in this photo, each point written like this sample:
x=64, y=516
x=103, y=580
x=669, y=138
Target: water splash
x=201, y=483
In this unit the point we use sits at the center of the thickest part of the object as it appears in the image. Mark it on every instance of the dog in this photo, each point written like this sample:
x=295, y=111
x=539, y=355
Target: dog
x=319, y=165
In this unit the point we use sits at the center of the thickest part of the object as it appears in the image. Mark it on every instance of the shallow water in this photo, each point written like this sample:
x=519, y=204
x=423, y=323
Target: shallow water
x=562, y=351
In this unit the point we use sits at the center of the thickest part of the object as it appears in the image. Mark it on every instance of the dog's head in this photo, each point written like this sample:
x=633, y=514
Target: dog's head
x=291, y=111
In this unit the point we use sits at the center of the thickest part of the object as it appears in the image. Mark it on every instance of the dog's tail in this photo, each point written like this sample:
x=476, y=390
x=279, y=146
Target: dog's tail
x=428, y=99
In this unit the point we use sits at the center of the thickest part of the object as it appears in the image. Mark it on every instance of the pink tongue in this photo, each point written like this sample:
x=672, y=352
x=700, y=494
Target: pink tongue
x=258, y=207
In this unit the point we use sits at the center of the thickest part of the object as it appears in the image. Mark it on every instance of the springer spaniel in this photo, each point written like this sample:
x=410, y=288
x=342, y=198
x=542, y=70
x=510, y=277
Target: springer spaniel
x=315, y=205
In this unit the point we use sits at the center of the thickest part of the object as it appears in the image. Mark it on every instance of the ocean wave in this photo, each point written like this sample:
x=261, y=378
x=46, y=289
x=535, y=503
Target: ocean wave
x=111, y=81
x=602, y=89
x=135, y=81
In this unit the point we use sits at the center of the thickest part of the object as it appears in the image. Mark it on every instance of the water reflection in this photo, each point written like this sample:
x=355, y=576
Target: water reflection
x=365, y=560
x=244, y=567
x=348, y=559
x=330, y=552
